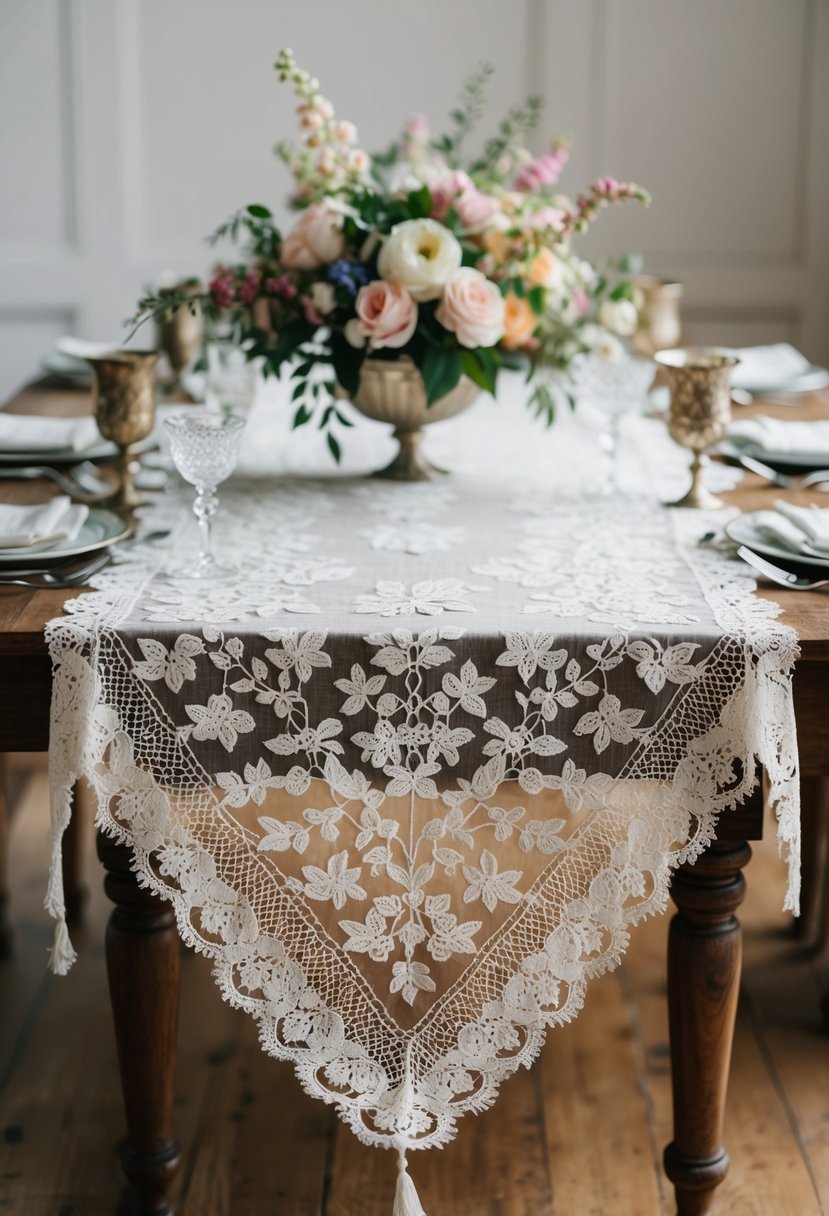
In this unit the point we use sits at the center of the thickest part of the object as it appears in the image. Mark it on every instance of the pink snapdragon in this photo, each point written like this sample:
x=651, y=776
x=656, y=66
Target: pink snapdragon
x=603, y=192
x=544, y=172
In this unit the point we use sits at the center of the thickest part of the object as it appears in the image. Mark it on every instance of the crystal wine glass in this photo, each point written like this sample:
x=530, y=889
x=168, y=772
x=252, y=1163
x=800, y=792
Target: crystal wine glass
x=616, y=387
x=231, y=378
x=204, y=448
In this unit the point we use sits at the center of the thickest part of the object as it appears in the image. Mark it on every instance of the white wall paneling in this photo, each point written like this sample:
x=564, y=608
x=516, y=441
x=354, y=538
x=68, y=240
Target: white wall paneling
x=129, y=128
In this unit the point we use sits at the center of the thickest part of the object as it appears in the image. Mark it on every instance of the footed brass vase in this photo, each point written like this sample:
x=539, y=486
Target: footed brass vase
x=393, y=391
x=700, y=410
x=124, y=398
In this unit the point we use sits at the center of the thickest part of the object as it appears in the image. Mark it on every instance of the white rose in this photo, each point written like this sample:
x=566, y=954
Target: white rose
x=602, y=343
x=619, y=316
x=420, y=255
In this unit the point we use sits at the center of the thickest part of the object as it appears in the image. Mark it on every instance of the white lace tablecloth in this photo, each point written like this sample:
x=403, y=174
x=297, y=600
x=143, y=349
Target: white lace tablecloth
x=410, y=778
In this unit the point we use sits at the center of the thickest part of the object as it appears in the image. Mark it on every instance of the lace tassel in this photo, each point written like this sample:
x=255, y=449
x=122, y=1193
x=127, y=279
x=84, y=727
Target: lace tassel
x=406, y=1201
x=63, y=954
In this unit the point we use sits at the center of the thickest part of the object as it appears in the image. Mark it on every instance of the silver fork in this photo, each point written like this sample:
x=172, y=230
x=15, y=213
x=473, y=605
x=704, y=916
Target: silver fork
x=52, y=579
x=786, y=481
x=88, y=493
x=779, y=574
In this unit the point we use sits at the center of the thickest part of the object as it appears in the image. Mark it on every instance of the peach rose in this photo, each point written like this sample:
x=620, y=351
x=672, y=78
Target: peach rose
x=472, y=308
x=315, y=239
x=542, y=267
x=386, y=314
x=519, y=321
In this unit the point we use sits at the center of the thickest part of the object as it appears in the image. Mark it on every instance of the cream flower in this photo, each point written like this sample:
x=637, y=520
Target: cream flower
x=619, y=316
x=420, y=255
x=472, y=309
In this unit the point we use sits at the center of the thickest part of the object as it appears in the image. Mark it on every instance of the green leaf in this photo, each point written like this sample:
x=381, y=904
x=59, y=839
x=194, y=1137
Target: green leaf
x=299, y=391
x=481, y=367
x=441, y=371
x=420, y=202
x=623, y=291
x=536, y=300
x=334, y=447
x=302, y=416
x=260, y=212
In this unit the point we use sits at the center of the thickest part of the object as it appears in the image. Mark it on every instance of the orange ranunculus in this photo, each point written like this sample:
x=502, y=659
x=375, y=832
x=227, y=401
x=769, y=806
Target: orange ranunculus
x=497, y=243
x=542, y=267
x=519, y=322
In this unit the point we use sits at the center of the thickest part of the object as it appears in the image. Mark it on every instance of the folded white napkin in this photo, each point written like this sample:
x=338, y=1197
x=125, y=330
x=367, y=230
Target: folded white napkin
x=801, y=529
x=768, y=367
x=43, y=524
x=32, y=433
x=770, y=437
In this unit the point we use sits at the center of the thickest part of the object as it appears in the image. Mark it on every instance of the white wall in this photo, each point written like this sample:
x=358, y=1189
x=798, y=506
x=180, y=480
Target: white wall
x=129, y=128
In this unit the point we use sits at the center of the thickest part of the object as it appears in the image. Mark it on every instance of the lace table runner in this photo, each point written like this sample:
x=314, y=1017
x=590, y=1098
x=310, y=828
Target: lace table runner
x=412, y=776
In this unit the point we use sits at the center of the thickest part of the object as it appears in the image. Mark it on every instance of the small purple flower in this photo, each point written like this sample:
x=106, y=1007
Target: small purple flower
x=348, y=274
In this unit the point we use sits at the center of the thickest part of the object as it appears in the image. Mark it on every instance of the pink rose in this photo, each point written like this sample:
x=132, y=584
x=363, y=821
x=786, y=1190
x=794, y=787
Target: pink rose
x=475, y=209
x=472, y=309
x=315, y=239
x=386, y=314
x=446, y=189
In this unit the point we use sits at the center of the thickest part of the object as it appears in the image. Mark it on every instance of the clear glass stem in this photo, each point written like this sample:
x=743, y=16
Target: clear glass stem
x=205, y=508
x=611, y=446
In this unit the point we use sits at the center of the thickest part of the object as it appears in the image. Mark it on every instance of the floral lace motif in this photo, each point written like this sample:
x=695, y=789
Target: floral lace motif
x=409, y=830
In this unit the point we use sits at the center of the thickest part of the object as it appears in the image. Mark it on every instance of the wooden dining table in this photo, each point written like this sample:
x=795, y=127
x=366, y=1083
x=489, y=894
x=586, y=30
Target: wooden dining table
x=704, y=954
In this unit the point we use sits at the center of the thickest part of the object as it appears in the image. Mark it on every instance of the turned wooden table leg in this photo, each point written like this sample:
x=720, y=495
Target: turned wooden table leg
x=142, y=949
x=74, y=891
x=704, y=956
x=5, y=810
x=814, y=819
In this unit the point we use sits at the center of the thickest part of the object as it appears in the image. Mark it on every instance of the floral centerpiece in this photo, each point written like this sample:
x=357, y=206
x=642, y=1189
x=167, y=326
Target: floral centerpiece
x=460, y=264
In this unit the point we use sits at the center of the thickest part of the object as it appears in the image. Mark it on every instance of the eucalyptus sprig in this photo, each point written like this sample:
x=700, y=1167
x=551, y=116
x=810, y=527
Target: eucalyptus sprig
x=466, y=115
x=512, y=132
x=255, y=221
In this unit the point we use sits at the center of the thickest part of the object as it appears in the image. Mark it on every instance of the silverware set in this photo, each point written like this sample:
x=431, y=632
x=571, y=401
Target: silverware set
x=783, y=575
x=803, y=481
x=81, y=482
x=69, y=574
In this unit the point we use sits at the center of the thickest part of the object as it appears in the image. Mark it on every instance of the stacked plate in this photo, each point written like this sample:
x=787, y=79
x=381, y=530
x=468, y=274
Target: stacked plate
x=53, y=532
x=787, y=534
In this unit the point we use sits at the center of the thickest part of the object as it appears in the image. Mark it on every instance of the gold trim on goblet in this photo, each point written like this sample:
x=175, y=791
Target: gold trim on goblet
x=700, y=410
x=124, y=397
x=392, y=390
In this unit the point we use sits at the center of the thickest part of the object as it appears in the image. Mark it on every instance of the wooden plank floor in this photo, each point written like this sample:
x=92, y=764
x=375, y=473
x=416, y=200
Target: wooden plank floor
x=581, y=1134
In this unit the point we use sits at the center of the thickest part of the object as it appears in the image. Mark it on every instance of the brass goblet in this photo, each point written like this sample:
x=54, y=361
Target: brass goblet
x=660, y=321
x=700, y=409
x=180, y=334
x=124, y=396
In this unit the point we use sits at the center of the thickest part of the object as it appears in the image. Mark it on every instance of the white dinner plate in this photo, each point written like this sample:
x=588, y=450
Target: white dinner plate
x=811, y=380
x=104, y=450
x=100, y=529
x=778, y=460
x=744, y=531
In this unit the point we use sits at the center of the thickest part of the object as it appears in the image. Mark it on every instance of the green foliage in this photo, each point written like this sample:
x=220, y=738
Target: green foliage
x=481, y=366
x=441, y=370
